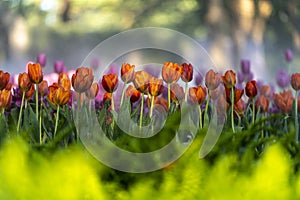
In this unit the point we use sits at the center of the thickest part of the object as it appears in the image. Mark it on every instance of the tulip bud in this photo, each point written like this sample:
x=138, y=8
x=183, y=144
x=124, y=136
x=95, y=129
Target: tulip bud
x=110, y=82
x=93, y=91
x=59, y=66
x=156, y=86
x=282, y=78
x=35, y=72
x=237, y=95
x=43, y=88
x=251, y=89
x=229, y=79
x=42, y=59
x=29, y=93
x=5, y=99
x=262, y=102
x=171, y=72
x=187, y=72
x=82, y=79
x=4, y=79
x=266, y=91
x=295, y=81
x=127, y=72
x=177, y=93
x=212, y=80
x=245, y=66
x=24, y=82
x=64, y=81
x=107, y=97
x=239, y=107
x=284, y=101
x=288, y=55
x=133, y=93
x=141, y=81
x=58, y=95
x=197, y=94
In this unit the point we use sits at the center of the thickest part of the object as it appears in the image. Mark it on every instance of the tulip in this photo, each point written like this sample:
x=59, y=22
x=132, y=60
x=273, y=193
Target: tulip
x=93, y=91
x=35, y=72
x=229, y=79
x=132, y=93
x=266, y=91
x=284, y=101
x=262, y=102
x=187, y=72
x=288, y=54
x=295, y=83
x=8, y=86
x=110, y=82
x=5, y=99
x=212, y=80
x=82, y=79
x=141, y=81
x=245, y=66
x=282, y=78
x=177, y=93
x=42, y=59
x=240, y=77
x=156, y=87
x=239, y=107
x=127, y=75
x=59, y=67
x=107, y=97
x=4, y=79
x=251, y=92
x=58, y=96
x=29, y=93
x=24, y=82
x=64, y=81
x=197, y=96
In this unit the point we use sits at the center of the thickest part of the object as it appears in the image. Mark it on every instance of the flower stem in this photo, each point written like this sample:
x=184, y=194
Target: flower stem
x=142, y=109
x=253, y=111
x=232, y=108
x=200, y=115
x=112, y=102
x=296, y=118
x=40, y=122
x=56, y=121
x=77, y=115
x=206, y=105
x=37, y=101
x=186, y=91
x=169, y=95
x=123, y=93
x=20, y=114
x=151, y=107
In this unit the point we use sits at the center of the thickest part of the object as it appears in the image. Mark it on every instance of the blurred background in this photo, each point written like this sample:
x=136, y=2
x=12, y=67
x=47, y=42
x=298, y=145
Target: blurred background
x=230, y=30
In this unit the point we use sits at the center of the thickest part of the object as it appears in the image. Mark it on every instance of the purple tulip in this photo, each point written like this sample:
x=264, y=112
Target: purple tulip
x=245, y=66
x=42, y=59
x=250, y=76
x=198, y=79
x=240, y=77
x=59, y=67
x=282, y=78
x=154, y=71
x=288, y=55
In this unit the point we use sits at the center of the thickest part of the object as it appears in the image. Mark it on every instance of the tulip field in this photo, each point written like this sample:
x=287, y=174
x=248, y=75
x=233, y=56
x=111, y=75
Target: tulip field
x=42, y=155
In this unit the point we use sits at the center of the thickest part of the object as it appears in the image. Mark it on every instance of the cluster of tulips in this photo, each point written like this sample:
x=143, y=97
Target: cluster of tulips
x=142, y=87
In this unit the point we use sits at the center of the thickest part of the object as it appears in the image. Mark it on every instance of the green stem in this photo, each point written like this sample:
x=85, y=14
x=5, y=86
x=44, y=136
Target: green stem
x=200, y=115
x=232, y=108
x=151, y=107
x=296, y=118
x=77, y=115
x=20, y=114
x=253, y=111
x=40, y=122
x=56, y=121
x=142, y=110
x=169, y=95
x=186, y=91
x=112, y=102
x=37, y=101
x=123, y=93
x=206, y=105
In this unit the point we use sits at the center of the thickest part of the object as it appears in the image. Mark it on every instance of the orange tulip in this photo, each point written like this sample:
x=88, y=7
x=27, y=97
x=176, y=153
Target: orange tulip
x=141, y=81
x=58, y=95
x=82, y=79
x=24, y=82
x=107, y=97
x=229, y=79
x=212, y=80
x=64, y=81
x=295, y=81
x=127, y=72
x=237, y=95
x=156, y=86
x=197, y=94
x=171, y=72
x=93, y=91
x=239, y=107
x=214, y=94
x=284, y=101
x=266, y=91
x=4, y=79
x=251, y=89
x=5, y=99
x=262, y=102
x=187, y=72
x=177, y=93
x=43, y=88
x=29, y=93
x=8, y=86
x=35, y=72
x=132, y=93
x=110, y=82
